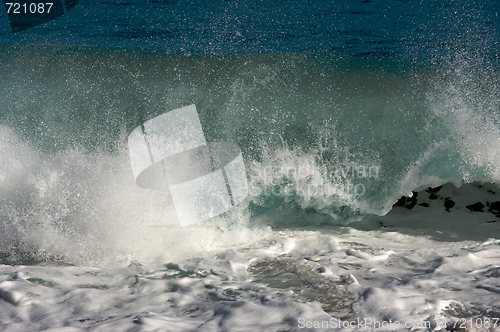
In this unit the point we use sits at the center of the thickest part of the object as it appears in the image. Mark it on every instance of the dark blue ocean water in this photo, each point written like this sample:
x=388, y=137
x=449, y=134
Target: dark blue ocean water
x=389, y=29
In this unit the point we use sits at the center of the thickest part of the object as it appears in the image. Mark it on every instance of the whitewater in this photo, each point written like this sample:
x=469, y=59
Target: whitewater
x=373, y=184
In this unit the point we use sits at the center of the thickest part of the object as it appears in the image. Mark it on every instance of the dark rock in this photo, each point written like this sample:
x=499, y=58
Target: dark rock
x=433, y=196
x=494, y=207
x=411, y=201
x=434, y=190
x=477, y=207
x=448, y=204
x=407, y=202
x=401, y=201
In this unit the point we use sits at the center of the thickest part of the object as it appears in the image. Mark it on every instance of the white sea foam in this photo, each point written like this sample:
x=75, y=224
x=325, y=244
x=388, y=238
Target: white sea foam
x=287, y=280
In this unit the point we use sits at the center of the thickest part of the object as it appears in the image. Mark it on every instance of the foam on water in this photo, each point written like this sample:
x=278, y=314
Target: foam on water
x=77, y=207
